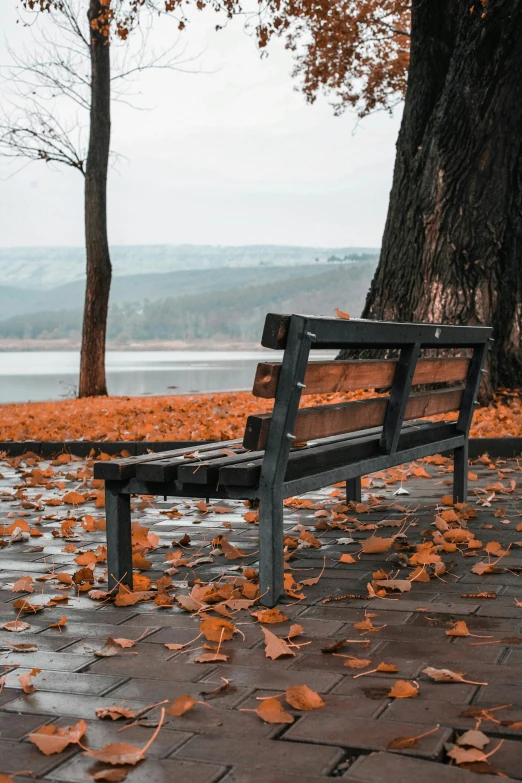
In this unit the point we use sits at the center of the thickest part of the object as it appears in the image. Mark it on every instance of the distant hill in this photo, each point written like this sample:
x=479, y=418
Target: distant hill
x=189, y=305
x=42, y=268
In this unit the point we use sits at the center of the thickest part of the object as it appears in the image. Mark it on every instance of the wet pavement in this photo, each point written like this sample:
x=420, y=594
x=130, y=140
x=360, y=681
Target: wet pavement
x=444, y=569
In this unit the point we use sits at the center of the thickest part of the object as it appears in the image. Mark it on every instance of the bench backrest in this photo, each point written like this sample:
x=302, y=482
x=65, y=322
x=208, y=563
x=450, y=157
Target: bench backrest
x=295, y=376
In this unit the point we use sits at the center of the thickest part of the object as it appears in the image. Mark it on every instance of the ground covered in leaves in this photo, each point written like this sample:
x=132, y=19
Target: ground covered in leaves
x=395, y=655
x=205, y=417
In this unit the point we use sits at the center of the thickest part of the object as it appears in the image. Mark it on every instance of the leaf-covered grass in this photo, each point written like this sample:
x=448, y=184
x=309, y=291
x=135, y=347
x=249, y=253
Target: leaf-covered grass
x=195, y=417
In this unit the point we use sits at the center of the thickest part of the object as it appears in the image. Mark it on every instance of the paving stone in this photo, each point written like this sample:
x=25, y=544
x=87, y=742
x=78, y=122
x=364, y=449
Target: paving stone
x=377, y=686
x=334, y=705
x=321, y=682
x=349, y=615
x=262, y=755
x=55, y=661
x=15, y=727
x=17, y=756
x=451, y=714
x=202, y=720
x=441, y=652
x=64, y=704
x=394, y=768
x=77, y=630
x=103, y=732
x=475, y=623
x=139, y=666
x=65, y=682
x=157, y=690
x=410, y=605
x=45, y=644
x=345, y=731
x=263, y=776
x=80, y=769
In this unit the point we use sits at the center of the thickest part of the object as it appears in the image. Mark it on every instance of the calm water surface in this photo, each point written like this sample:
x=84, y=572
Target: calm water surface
x=53, y=375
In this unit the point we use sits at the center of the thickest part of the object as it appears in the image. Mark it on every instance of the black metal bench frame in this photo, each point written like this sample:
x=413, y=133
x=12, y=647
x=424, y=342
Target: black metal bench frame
x=397, y=443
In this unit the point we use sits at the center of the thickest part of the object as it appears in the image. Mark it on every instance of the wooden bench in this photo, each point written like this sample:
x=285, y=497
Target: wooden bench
x=295, y=449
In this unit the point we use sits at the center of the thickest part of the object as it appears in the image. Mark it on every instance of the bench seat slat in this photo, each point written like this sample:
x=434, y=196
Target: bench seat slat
x=121, y=469
x=329, y=455
x=207, y=472
x=169, y=469
x=325, y=420
x=337, y=376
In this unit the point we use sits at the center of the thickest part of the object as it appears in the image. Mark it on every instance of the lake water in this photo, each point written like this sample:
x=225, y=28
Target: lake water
x=53, y=375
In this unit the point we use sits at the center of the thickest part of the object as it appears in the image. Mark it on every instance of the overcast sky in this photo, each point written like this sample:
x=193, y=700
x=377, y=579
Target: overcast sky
x=231, y=154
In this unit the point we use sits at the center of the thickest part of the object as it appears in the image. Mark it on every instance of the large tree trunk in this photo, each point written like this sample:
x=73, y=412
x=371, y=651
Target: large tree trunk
x=99, y=270
x=452, y=246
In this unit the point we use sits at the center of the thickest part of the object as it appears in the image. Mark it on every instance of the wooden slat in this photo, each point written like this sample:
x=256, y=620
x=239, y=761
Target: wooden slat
x=336, y=376
x=331, y=332
x=119, y=469
x=169, y=469
x=326, y=420
x=330, y=453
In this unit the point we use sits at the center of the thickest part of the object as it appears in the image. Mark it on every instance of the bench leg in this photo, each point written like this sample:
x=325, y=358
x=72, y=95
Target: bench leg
x=460, y=474
x=119, y=544
x=353, y=489
x=271, y=560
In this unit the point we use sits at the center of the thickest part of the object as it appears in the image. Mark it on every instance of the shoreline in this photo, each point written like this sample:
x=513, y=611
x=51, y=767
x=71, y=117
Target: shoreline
x=20, y=346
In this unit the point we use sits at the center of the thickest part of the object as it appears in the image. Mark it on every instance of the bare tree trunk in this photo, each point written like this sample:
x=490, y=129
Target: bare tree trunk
x=99, y=270
x=453, y=239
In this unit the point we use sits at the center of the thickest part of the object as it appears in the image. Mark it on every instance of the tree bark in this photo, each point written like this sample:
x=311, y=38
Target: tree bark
x=452, y=244
x=99, y=270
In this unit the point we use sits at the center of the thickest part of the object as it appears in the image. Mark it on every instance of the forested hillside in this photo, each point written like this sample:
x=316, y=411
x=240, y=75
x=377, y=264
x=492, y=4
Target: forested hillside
x=199, y=307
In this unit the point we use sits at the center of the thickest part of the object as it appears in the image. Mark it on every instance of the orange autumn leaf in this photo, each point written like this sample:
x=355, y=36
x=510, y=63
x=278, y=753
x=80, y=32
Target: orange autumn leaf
x=23, y=585
x=303, y=698
x=341, y=314
x=460, y=629
x=121, y=752
x=346, y=558
x=49, y=739
x=59, y=624
x=403, y=690
x=115, y=712
x=272, y=711
x=275, y=646
x=73, y=498
x=26, y=680
x=214, y=629
x=181, y=705
x=270, y=616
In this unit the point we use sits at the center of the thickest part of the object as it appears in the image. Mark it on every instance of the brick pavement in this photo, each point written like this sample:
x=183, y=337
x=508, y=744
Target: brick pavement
x=224, y=740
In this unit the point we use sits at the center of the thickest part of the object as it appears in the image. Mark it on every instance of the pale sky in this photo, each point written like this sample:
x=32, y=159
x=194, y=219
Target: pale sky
x=231, y=155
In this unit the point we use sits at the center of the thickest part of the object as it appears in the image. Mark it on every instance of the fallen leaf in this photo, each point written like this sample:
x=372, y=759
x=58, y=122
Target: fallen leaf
x=272, y=711
x=341, y=314
x=301, y=697
x=275, y=647
x=49, y=739
x=474, y=738
x=181, y=705
x=214, y=629
x=25, y=680
x=270, y=616
x=447, y=675
x=403, y=690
